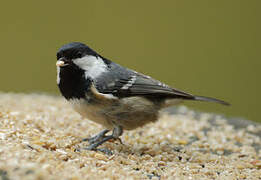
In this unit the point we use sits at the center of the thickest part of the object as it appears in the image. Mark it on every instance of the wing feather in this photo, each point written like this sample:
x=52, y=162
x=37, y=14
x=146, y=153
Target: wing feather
x=123, y=82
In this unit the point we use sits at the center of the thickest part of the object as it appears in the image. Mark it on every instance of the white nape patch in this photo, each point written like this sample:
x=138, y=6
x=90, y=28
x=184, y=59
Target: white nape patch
x=93, y=66
x=130, y=82
x=58, y=75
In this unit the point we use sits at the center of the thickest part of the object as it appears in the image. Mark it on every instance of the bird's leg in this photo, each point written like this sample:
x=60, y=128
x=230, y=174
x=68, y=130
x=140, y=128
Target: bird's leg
x=117, y=132
x=95, y=138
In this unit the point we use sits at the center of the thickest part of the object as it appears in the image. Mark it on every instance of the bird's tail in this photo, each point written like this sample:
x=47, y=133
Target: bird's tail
x=209, y=99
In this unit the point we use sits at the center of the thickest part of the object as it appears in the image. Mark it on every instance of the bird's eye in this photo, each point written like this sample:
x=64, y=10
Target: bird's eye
x=79, y=55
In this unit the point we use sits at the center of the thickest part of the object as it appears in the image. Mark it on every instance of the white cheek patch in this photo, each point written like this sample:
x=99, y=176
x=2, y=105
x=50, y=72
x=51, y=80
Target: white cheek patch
x=93, y=66
x=58, y=75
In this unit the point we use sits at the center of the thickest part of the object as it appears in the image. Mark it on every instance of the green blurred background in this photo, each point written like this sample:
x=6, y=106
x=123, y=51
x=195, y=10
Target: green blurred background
x=206, y=47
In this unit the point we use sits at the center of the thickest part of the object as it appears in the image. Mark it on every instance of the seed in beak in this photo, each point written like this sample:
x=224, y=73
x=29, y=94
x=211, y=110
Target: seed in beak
x=60, y=63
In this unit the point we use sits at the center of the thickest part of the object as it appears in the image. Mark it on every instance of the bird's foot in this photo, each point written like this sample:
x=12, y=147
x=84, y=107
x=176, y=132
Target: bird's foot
x=97, y=137
x=93, y=146
x=101, y=138
x=103, y=150
x=100, y=141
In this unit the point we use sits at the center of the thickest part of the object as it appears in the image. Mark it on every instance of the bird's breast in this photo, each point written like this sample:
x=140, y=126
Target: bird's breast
x=93, y=112
x=72, y=82
x=130, y=113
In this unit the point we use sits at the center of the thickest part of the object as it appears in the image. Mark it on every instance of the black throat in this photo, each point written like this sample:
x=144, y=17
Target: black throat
x=73, y=83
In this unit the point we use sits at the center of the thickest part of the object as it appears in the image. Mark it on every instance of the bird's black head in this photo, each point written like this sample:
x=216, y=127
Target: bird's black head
x=71, y=51
x=70, y=77
x=77, y=65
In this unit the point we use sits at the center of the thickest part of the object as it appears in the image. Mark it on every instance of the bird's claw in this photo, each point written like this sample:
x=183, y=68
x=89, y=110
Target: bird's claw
x=97, y=137
x=103, y=150
x=101, y=138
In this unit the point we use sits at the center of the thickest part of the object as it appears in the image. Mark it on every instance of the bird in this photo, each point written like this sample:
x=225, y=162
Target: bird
x=111, y=95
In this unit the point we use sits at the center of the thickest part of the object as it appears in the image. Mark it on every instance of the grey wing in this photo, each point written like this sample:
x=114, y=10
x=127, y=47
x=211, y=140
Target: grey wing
x=123, y=82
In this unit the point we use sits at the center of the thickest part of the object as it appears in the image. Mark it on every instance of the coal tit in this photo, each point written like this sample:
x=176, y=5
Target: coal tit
x=111, y=95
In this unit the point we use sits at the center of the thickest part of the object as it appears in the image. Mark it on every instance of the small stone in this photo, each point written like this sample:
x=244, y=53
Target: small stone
x=256, y=163
x=182, y=142
x=100, y=157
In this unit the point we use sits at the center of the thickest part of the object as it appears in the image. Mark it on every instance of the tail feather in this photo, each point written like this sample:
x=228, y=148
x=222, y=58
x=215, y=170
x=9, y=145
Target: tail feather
x=208, y=99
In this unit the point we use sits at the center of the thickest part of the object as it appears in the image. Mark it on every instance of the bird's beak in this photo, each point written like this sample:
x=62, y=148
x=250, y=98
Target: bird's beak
x=61, y=62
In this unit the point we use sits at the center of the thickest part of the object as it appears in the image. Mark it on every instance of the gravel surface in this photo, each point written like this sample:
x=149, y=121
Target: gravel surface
x=40, y=135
